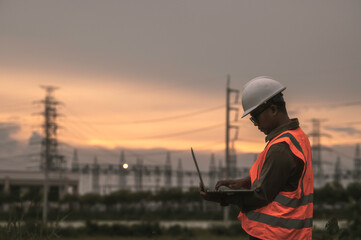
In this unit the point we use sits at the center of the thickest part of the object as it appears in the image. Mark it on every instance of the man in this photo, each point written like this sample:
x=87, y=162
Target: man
x=281, y=205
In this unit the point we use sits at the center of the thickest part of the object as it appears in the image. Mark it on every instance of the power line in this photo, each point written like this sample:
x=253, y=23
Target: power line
x=94, y=146
x=163, y=119
x=169, y=135
x=159, y=136
x=182, y=133
x=93, y=130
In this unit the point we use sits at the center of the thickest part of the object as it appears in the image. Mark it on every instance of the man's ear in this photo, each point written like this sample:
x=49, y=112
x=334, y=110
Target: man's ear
x=274, y=109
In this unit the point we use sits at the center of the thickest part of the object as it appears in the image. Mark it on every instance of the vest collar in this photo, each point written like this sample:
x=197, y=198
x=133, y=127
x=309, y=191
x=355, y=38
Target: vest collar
x=291, y=125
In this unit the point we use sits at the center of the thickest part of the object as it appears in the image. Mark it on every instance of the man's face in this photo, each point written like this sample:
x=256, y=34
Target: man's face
x=262, y=118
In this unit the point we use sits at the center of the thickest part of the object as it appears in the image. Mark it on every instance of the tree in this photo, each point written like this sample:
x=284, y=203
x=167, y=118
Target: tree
x=354, y=191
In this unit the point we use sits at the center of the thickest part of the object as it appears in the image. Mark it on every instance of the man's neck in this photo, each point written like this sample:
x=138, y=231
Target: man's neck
x=286, y=124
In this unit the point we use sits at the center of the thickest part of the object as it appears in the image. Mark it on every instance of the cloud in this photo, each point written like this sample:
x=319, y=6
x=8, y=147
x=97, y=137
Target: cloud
x=348, y=130
x=15, y=153
x=7, y=143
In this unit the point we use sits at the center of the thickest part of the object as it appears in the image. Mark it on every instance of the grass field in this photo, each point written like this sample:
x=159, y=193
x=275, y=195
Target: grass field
x=199, y=237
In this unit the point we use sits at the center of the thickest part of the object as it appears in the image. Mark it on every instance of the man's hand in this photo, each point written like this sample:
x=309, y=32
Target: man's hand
x=205, y=196
x=235, y=184
x=201, y=191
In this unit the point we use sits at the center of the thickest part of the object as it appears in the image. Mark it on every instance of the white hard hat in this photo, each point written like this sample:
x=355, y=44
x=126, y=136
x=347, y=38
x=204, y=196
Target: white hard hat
x=258, y=91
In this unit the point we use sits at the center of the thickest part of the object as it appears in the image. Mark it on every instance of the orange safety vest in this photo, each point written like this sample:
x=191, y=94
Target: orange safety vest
x=289, y=215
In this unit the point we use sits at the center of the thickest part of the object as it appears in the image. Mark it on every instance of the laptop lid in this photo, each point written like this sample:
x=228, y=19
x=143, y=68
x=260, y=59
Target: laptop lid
x=222, y=190
x=195, y=163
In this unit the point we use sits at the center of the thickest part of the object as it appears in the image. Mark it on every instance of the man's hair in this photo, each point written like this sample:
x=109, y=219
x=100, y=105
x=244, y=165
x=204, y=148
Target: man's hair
x=279, y=102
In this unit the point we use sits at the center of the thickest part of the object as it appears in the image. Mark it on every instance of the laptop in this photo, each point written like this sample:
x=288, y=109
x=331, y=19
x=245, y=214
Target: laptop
x=222, y=189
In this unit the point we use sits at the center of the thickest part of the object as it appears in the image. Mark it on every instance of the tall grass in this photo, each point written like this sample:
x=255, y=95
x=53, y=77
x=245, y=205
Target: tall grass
x=21, y=227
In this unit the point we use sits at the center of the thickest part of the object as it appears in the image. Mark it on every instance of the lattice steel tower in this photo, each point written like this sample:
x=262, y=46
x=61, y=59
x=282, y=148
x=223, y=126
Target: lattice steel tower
x=96, y=176
x=212, y=174
x=138, y=175
x=180, y=174
x=316, y=152
x=338, y=173
x=122, y=178
x=357, y=163
x=50, y=158
x=168, y=172
x=75, y=162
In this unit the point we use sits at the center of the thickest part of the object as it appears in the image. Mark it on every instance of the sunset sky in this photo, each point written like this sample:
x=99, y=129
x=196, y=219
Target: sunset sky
x=152, y=74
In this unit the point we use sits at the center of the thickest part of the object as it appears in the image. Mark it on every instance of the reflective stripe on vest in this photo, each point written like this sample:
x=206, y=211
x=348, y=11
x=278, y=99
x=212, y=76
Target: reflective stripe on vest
x=290, y=202
x=294, y=202
x=299, y=148
x=279, y=222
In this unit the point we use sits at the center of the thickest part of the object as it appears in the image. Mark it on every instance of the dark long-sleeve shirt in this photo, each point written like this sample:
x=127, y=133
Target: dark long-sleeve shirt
x=281, y=172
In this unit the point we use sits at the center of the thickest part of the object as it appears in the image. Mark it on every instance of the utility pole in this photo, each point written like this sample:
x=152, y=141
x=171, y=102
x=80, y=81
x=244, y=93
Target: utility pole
x=49, y=153
x=229, y=91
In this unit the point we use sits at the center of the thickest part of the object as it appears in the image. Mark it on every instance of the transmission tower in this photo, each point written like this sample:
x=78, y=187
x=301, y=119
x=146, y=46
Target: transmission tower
x=357, y=163
x=168, y=172
x=180, y=174
x=138, y=175
x=50, y=159
x=212, y=172
x=157, y=173
x=75, y=162
x=316, y=151
x=337, y=173
x=96, y=176
x=221, y=170
x=122, y=171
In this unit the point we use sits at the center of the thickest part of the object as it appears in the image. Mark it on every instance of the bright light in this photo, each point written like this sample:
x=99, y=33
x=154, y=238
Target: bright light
x=125, y=165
